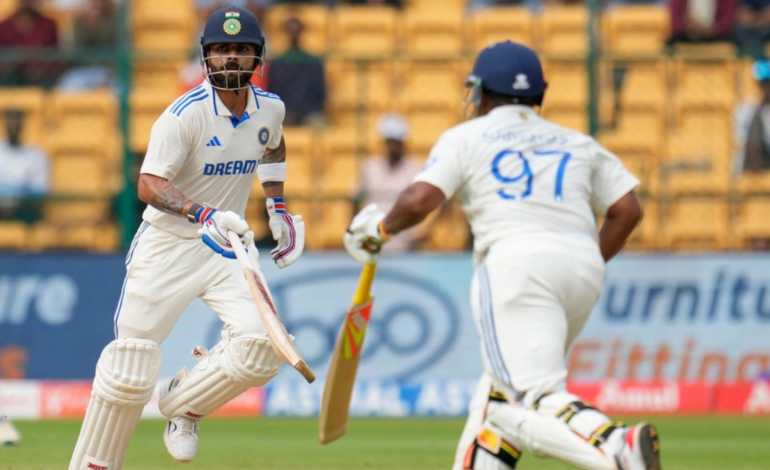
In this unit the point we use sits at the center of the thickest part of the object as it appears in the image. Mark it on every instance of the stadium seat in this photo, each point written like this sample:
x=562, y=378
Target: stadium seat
x=644, y=86
x=93, y=110
x=13, y=235
x=335, y=218
x=7, y=7
x=752, y=221
x=98, y=237
x=300, y=141
x=635, y=29
x=425, y=127
x=452, y=5
x=567, y=85
x=340, y=177
x=353, y=84
x=748, y=87
x=564, y=30
x=146, y=106
x=696, y=224
x=574, y=119
x=300, y=179
x=365, y=31
x=28, y=99
x=362, y=127
x=433, y=84
x=704, y=85
x=434, y=32
x=492, y=25
x=698, y=155
x=754, y=183
x=448, y=231
x=161, y=75
x=169, y=14
x=70, y=211
x=78, y=174
x=315, y=19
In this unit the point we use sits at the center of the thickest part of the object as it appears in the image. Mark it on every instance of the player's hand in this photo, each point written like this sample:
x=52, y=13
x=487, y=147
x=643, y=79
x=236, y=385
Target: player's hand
x=288, y=230
x=364, y=238
x=215, y=225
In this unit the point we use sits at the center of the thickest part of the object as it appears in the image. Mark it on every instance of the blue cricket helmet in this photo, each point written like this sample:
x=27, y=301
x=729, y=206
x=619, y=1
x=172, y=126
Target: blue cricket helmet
x=510, y=69
x=232, y=25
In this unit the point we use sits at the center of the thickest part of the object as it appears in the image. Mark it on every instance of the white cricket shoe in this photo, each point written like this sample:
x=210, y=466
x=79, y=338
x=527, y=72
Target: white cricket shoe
x=640, y=449
x=8, y=433
x=180, y=434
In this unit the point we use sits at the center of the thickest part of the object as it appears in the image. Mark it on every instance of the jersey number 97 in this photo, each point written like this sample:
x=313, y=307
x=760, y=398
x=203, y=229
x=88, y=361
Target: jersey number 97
x=527, y=175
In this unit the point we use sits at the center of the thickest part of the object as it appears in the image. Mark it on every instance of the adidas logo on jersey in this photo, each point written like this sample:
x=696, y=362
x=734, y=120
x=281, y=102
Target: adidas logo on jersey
x=214, y=142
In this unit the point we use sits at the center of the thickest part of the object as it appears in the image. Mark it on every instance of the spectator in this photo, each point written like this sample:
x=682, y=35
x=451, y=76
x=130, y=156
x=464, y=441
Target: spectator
x=753, y=29
x=702, y=20
x=28, y=28
x=298, y=78
x=474, y=5
x=25, y=173
x=383, y=178
x=753, y=125
x=387, y=3
x=95, y=28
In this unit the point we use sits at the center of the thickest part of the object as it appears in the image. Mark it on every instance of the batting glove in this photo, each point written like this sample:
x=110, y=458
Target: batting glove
x=215, y=225
x=365, y=235
x=288, y=230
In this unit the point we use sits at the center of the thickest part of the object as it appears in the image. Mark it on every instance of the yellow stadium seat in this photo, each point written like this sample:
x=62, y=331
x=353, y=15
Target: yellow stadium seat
x=452, y=5
x=7, y=8
x=28, y=99
x=163, y=75
x=644, y=87
x=335, y=218
x=698, y=155
x=362, y=127
x=567, y=85
x=353, y=84
x=573, y=119
x=434, y=32
x=300, y=141
x=96, y=101
x=169, y=14
x=343, y=141
x=448, y=231
x=365, y=31
x=300, y=180
x=94, y=110
x=341, y=176
x=752, y=221
x=704, y=85
x=695, y=224
x=64, y=212
x=425, y=127
x=754, y=183
x=256, y=216
x=98, y=237
x=180, y=42
x=146, y=107
x=433, y=84
x=635, y=29
x=78, y=175
x=492, y=25
x=726, y=50
x=564, y=29
x=315, y=19
x=748, y=87
x=13, y=235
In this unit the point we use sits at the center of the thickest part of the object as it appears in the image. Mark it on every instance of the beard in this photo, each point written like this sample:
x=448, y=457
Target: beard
x=230, y=77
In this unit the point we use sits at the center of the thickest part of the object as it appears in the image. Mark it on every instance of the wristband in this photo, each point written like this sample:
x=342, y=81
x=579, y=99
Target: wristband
x=269, y=172
x=383, y=233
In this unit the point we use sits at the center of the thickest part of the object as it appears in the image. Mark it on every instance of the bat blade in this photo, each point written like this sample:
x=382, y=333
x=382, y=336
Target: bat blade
x=338, y=390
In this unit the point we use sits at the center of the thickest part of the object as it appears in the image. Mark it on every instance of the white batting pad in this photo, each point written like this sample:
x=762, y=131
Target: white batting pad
x=546, y=436
x=581, y=417
x=234, y=366
x=126, y=374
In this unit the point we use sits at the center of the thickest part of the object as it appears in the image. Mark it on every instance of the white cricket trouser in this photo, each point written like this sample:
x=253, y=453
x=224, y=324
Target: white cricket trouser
x=165, y=273
x=530, y=301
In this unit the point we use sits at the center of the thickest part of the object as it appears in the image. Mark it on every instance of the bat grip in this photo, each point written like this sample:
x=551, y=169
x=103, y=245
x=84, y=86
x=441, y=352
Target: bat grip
x=365, y=284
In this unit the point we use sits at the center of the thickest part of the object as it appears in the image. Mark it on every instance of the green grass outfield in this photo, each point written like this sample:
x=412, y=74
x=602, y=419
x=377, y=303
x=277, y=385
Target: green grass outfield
x=697, y=443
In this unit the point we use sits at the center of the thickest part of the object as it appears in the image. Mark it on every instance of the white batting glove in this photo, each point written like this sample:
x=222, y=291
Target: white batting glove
x=215, y=225
x=364, y=236
x=288, y=230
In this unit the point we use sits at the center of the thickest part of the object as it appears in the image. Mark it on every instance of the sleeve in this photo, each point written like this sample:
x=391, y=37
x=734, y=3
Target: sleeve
x=170, y=144
x=444, y=168
x=610, y=179
x=275, y=138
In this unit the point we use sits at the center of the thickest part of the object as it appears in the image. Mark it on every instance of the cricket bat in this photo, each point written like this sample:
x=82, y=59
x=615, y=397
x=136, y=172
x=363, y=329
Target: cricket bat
x=333, y=421
x=283, y=345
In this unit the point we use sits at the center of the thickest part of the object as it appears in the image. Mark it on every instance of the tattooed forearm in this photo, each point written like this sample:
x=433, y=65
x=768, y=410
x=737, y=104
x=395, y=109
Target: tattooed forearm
x=169, y=200
x=276, y=155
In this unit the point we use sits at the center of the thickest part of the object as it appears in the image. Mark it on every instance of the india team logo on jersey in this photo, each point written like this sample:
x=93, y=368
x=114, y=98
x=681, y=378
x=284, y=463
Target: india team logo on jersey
x=264, y=135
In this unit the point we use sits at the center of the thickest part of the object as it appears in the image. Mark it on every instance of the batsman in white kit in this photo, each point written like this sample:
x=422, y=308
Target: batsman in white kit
x=205, y=151
x=529, y=189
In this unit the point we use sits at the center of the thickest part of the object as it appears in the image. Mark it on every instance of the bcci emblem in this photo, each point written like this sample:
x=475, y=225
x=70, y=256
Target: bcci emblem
x=232, y=26
x=264, y=135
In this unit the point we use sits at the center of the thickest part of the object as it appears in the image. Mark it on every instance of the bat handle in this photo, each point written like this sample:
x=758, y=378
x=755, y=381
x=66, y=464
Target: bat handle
x=239, y=250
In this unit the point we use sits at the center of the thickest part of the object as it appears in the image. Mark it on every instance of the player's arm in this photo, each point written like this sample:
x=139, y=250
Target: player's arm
x=621, y=219
x=162, y=195
x=287, y=230
x=412, y=207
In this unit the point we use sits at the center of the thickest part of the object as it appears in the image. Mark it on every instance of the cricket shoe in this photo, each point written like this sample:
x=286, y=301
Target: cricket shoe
x=8, y=433
x=181, y=433
x=640, y=449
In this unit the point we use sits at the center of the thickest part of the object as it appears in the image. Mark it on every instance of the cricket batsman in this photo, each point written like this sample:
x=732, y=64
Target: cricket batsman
x=529, y=189
x=205, y=151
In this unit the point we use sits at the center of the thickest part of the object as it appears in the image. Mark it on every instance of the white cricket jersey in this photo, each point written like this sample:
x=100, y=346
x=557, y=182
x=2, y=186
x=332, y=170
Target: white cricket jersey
x=207, y=154
x=519, y=176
